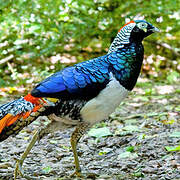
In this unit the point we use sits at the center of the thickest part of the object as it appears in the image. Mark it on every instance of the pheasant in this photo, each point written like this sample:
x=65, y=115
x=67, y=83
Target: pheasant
x=80, y=95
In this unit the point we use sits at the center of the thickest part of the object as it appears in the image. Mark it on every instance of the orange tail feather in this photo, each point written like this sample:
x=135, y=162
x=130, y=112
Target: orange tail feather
x=9, y=119
x=13, y=119
x=3, y=121
x=26, y=115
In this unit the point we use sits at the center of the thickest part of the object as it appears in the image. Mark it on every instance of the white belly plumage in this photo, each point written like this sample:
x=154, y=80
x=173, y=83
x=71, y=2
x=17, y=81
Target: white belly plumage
x=105, y=103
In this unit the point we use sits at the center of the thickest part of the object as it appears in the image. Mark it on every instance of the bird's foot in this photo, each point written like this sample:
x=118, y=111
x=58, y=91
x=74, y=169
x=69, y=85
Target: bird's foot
x=19, y=172
x=18, y=169
x=77, y=174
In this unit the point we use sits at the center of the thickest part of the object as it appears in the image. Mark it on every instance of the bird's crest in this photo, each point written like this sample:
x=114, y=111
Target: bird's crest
x=122, y=37
x=126, y=25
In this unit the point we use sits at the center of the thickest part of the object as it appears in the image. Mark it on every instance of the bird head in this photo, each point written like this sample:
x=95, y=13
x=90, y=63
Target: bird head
x=133, y=31
x=142, y=29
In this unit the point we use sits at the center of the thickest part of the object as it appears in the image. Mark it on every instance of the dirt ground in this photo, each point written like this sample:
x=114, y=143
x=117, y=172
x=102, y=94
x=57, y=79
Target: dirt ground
x=142, y=131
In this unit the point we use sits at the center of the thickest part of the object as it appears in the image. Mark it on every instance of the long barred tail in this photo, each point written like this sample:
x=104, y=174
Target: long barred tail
x=15, y=115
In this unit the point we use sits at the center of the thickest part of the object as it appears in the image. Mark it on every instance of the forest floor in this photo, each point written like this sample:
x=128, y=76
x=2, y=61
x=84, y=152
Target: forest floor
x=141, y=140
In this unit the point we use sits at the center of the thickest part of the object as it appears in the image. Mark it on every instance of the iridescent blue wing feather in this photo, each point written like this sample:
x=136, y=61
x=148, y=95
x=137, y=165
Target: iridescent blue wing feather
x=84, y=80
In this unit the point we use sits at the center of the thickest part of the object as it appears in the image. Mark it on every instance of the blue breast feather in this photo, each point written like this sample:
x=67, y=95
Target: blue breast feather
x=86, y=76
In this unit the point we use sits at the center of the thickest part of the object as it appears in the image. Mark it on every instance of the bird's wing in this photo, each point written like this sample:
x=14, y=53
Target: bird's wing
x=82, y=81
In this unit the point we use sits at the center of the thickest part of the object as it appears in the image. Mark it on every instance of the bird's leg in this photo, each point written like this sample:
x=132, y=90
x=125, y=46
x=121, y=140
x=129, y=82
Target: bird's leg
x=75, y=137
x=37, y=136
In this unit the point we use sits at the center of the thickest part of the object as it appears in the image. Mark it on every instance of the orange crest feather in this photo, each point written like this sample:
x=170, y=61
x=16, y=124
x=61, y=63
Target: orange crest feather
x=126, y=25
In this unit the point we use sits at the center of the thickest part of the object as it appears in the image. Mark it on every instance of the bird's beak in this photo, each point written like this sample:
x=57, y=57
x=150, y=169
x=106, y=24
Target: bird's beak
x=155, y=29
x=145, y=30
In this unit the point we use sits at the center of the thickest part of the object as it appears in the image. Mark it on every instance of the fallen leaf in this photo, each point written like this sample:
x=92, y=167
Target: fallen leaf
x=99, y=132
x=127, y=154
x=47, y=169
x=132, y=128
x=175, y=134
x=172, y=148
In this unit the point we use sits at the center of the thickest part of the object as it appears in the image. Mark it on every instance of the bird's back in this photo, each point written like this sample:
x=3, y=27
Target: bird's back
x=94, y=88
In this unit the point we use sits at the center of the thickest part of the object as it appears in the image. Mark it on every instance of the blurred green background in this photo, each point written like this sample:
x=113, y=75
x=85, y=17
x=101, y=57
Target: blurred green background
x=40, y=37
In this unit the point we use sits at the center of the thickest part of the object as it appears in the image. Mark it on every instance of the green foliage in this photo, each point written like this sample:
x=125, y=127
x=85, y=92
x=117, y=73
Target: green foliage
x=172, y=148
x=173, y=77
x=31, y=32
x=130, y=148
x=47, y=169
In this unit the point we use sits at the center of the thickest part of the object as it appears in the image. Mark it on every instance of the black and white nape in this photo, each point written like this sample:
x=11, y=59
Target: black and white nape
x=122, y=37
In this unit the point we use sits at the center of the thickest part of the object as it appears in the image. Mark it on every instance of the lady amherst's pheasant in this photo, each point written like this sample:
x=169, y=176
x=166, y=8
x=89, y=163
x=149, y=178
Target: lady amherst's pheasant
x=81, y=95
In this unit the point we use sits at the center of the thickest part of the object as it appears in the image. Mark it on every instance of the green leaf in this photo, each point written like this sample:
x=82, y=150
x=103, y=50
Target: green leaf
x=35, y=28
x=177, y=108
x=99, y=132
x=47, y=169
x=172, y=148
x=149, y=92
x=105, y=151
x=130, y=149
x=26, y=138
x=141, y=137
x=175, y=134
x=173, y=77
x=138, y=174
x=2, y=83
x=177, y=91
x=53, y=141
x=102, y=153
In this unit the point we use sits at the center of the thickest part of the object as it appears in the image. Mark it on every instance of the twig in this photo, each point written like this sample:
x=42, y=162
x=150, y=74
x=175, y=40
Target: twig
x=6, y=59
x=11, y=68
x=165, y=45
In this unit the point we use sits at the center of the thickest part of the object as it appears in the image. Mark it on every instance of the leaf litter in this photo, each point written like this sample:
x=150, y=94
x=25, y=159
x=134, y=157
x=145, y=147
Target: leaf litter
x=140, y=141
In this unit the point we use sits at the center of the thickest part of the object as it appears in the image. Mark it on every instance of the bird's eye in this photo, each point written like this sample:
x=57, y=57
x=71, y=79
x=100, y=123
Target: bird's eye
x=142, y=26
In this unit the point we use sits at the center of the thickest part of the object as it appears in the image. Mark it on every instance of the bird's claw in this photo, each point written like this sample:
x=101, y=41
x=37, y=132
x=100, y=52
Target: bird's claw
x=19, y=171
x=77, y=174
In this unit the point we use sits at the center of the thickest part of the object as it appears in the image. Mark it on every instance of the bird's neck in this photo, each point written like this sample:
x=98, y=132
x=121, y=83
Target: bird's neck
x=128, y=75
